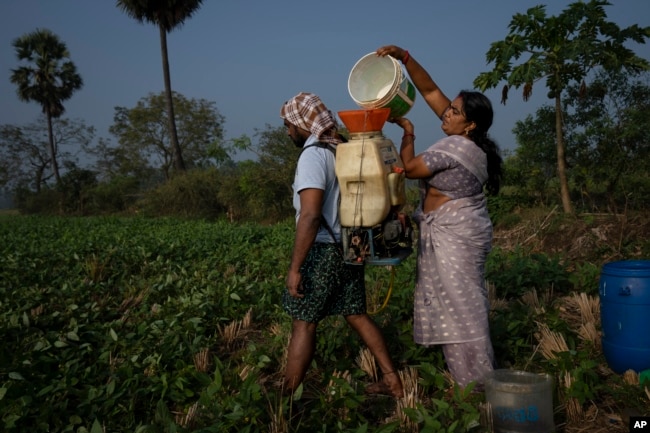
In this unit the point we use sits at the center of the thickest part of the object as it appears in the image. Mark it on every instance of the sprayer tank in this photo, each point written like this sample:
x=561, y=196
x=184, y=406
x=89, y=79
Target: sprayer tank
x=371, y=176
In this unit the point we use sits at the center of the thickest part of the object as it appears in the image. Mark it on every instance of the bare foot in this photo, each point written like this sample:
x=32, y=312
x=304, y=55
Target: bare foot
x=390, y=385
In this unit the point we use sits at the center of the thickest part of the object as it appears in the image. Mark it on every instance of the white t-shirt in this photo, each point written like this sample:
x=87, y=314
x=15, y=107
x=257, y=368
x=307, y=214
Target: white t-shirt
x=316, y=169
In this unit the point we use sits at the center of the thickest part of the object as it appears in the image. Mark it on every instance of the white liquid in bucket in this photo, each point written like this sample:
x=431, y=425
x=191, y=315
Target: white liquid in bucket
x=379, y=82
x=371, y=76
x=384, y=91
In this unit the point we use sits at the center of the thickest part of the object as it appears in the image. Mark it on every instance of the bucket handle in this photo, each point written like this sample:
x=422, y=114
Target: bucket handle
x=625, y=291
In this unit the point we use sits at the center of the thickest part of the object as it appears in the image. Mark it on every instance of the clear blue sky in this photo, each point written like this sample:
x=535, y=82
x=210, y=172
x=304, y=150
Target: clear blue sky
x=250, y=56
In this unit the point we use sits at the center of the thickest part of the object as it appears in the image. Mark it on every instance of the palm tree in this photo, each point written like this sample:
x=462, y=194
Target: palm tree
x=167, y=15
x=49, y=78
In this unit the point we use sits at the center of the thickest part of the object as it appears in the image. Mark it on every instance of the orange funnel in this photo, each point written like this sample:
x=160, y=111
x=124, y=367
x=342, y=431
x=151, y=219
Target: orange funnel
x=371, y=119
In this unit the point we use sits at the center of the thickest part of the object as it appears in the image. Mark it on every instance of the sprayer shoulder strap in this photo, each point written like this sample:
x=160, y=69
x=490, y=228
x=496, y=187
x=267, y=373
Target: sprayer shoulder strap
x=323, y=222
x=321, y=145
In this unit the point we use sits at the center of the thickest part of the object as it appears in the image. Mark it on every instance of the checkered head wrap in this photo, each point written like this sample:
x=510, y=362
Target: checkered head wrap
x=307, y=111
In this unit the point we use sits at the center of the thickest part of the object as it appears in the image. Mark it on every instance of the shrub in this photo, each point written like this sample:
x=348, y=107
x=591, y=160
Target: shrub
x=193, y=194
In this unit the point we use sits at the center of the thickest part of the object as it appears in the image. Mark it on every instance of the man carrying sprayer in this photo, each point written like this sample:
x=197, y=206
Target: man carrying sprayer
x=319, y=283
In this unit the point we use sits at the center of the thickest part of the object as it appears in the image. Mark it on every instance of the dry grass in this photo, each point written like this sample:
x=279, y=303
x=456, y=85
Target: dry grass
x=345, y=375
x=572, y=405
x=550, y=342
x=279, y=422
x=550, y=345
x=248, y=319
x=334, y=391
x=245, y=371
x=495, y=303
x=412, y=397
x=202, y=360
x=276, y=329
x=230, y=332
x=133, y=298
x=186, y=419
x=631, y=377
x=37, y=311
x=580, y=308
x=588, y=332
x=531, y=299
x=233, y=332
x=366, y=361
x=594, y=238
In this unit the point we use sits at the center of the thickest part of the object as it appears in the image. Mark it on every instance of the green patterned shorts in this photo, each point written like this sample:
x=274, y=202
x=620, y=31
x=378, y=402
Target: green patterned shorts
x=331, y=286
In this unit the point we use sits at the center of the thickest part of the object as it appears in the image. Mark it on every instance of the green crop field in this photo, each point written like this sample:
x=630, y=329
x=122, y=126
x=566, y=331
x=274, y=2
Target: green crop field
x=166, y=325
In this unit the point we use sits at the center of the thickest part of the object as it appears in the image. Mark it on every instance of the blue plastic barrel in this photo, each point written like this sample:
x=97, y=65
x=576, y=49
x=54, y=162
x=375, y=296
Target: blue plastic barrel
x=624, y=290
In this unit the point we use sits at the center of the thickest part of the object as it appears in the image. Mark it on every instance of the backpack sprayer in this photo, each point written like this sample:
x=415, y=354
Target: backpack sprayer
x=374, y=230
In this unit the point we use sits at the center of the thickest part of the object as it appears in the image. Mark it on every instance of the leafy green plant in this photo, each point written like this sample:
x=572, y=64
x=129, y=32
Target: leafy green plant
x=512, y=330
x=585, y=278
x=517, y=272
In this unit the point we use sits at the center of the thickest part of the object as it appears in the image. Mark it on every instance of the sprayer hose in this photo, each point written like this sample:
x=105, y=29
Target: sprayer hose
x=388, y=293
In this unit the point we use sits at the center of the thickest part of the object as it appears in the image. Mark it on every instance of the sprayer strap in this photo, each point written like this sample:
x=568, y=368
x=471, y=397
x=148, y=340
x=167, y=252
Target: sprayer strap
x=321, y=145
x=323, y=222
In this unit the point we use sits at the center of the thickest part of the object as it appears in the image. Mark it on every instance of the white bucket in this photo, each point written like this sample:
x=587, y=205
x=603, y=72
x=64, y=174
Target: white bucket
x=520, y=402
x=380, y=82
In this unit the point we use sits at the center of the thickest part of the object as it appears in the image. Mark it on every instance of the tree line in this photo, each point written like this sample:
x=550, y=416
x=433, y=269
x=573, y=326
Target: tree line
x=588, y=149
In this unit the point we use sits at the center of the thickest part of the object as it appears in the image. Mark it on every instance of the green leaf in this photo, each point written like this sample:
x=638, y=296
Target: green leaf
x=362, y=428
x=45, y=390
x=15, y=375
x=218, y=379
x=297, y=394
x=39, y=346
x=3, y=391
x=211, y=390
x=113, y=334
x=10, y=420
x=97, y=427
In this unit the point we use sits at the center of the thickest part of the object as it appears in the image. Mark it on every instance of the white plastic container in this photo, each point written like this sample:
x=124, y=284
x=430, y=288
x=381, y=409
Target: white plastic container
x=380, y=82
x=397, y=187
x=363, y=166
x=520, y=402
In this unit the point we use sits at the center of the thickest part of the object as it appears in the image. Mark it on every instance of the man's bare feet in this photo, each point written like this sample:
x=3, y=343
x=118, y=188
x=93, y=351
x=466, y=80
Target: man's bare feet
x=390, y=385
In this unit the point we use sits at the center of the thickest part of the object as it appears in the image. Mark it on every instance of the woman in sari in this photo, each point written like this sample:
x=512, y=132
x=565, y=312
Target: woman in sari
x=451, y=304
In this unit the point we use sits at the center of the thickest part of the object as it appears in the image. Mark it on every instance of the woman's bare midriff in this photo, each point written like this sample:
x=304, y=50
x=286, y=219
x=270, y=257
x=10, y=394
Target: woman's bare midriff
x=434, y=200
